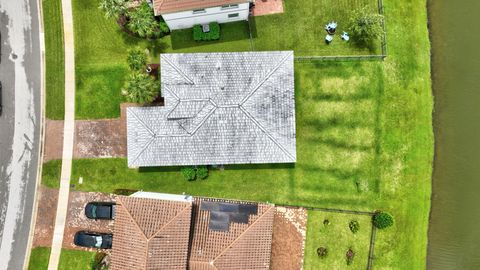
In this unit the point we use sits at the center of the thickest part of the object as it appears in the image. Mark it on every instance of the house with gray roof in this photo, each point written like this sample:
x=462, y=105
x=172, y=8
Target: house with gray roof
x=220, y=108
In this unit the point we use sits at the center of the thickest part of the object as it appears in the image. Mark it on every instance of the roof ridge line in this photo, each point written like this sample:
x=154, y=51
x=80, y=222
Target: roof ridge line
x=141, y=122
x=168, y=223
x=204, y=120
x=131, y=217
x=177, y=69
x=243, y=233
x=259, y=84
x=144, y=148
x=266, y=132
x=167, y=88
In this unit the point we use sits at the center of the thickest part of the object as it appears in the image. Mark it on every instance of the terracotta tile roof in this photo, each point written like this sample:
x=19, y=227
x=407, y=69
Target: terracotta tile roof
x=242, y=246
x=170, y=6
x=151, y=234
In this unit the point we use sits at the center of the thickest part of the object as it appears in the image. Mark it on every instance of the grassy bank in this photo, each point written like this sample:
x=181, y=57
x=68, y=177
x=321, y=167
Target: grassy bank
x=54, y=59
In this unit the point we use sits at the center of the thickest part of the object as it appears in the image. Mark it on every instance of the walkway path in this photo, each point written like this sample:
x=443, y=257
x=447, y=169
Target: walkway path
x=68, y=131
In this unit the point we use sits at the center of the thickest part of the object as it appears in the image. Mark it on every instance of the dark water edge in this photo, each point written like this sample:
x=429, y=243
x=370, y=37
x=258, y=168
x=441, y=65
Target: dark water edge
x=454, y=230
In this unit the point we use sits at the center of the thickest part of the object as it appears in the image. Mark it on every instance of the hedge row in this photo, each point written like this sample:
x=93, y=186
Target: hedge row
x=199, y=35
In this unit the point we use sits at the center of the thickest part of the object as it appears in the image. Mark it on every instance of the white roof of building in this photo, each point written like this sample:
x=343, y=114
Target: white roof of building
x=220, y=108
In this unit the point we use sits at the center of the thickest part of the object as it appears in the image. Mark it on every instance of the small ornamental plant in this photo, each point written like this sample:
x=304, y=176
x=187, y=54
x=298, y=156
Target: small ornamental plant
x=326, y=222
x=202, y=172
x=322, y=252
x=189, y=173
x=354, y=226
x=349, y=256
x=382, y=220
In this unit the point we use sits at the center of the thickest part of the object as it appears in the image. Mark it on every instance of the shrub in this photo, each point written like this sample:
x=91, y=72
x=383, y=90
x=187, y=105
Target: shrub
x=164, y=27
x=189, y=173
x=113, y=8
x=322, y=252
x=96, y=263
x=354, y=226
x=142, y=21
x=214, y=34
x=365, y=26
x=350, y=255
x=137, y=59
x=202, y=172
x=382, y=220
x=123, y=191
x=326, y=222
x=140, y=88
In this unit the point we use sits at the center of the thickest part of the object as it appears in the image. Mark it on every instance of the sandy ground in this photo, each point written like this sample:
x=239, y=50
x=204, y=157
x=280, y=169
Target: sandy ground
x=76, y=219
x=289, y=232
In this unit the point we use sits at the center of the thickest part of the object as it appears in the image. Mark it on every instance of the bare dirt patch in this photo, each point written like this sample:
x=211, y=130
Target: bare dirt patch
x=77, y=221
x=289, y=233
x=45, y=222
x=53, y=140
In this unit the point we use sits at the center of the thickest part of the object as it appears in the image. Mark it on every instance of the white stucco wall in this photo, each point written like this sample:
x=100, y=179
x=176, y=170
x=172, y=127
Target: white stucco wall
x=187, y=19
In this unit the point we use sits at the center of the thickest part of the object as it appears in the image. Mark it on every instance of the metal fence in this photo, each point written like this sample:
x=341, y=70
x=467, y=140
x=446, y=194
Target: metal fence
x=373, y=57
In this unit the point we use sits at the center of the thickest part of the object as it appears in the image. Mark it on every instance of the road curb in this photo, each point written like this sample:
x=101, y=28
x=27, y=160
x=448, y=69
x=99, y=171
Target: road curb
x=42, y=135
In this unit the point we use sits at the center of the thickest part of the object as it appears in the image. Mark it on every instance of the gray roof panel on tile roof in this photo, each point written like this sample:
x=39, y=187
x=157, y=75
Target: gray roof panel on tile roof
x=220, y=108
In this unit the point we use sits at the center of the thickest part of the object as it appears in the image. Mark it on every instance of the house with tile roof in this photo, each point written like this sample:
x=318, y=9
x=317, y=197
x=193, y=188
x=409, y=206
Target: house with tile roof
x=180, y=14
x=220, y=108
x=163, y=231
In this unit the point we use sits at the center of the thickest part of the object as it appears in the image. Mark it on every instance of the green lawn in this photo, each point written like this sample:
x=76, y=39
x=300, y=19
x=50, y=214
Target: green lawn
x=337, y=238
x=301, y=28
x=54, y=58
x=39, y=258
x=69, y=259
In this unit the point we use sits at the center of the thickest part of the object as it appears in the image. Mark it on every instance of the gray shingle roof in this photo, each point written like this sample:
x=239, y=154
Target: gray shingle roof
x=220, y=108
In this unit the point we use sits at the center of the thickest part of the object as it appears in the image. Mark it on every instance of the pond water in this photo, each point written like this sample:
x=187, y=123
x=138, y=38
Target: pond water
x=454, y=233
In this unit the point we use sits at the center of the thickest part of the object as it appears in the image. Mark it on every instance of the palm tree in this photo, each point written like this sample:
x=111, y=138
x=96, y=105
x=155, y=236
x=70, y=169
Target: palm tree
x=136, y=59
x=140, y=88
x=113, y=8
x=142, y=21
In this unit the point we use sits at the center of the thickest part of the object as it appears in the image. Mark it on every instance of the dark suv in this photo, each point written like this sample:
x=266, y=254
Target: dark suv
x=100, y=210
x=93, y=239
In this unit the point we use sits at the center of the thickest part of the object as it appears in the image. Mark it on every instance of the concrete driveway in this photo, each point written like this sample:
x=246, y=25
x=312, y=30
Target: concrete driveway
x=20, y=74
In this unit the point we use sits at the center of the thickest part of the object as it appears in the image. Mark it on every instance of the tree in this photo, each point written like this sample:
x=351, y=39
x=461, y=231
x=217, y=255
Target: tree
x=382, y=220
x=136, y=59
x=142, y=21
x=113, y=8
x=365, y=26
x=140, y=88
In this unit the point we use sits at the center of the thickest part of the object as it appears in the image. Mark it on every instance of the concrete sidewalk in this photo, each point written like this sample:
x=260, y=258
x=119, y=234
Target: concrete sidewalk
x=68, y=131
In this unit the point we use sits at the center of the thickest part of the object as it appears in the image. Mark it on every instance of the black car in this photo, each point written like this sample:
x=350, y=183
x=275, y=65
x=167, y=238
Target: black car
x=100, y=210
x=93, y=239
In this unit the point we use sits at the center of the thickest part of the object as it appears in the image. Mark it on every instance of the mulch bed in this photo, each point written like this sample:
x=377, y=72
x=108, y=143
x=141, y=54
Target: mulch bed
x=289, y=233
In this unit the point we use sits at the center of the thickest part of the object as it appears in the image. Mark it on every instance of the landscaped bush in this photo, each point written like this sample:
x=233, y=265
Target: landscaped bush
x=202, y=172
x=354, y=226
x=189, y=173
x=123, y=191
x=214, y=34
x=140, y=88
x=137, y=59
x=322, y=252
x=349, y=256
x=326, y=222
x=382, y=220
x=113, y=8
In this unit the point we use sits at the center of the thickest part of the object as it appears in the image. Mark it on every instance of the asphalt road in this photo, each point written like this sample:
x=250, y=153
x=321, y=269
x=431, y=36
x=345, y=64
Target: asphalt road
x=19, y=126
